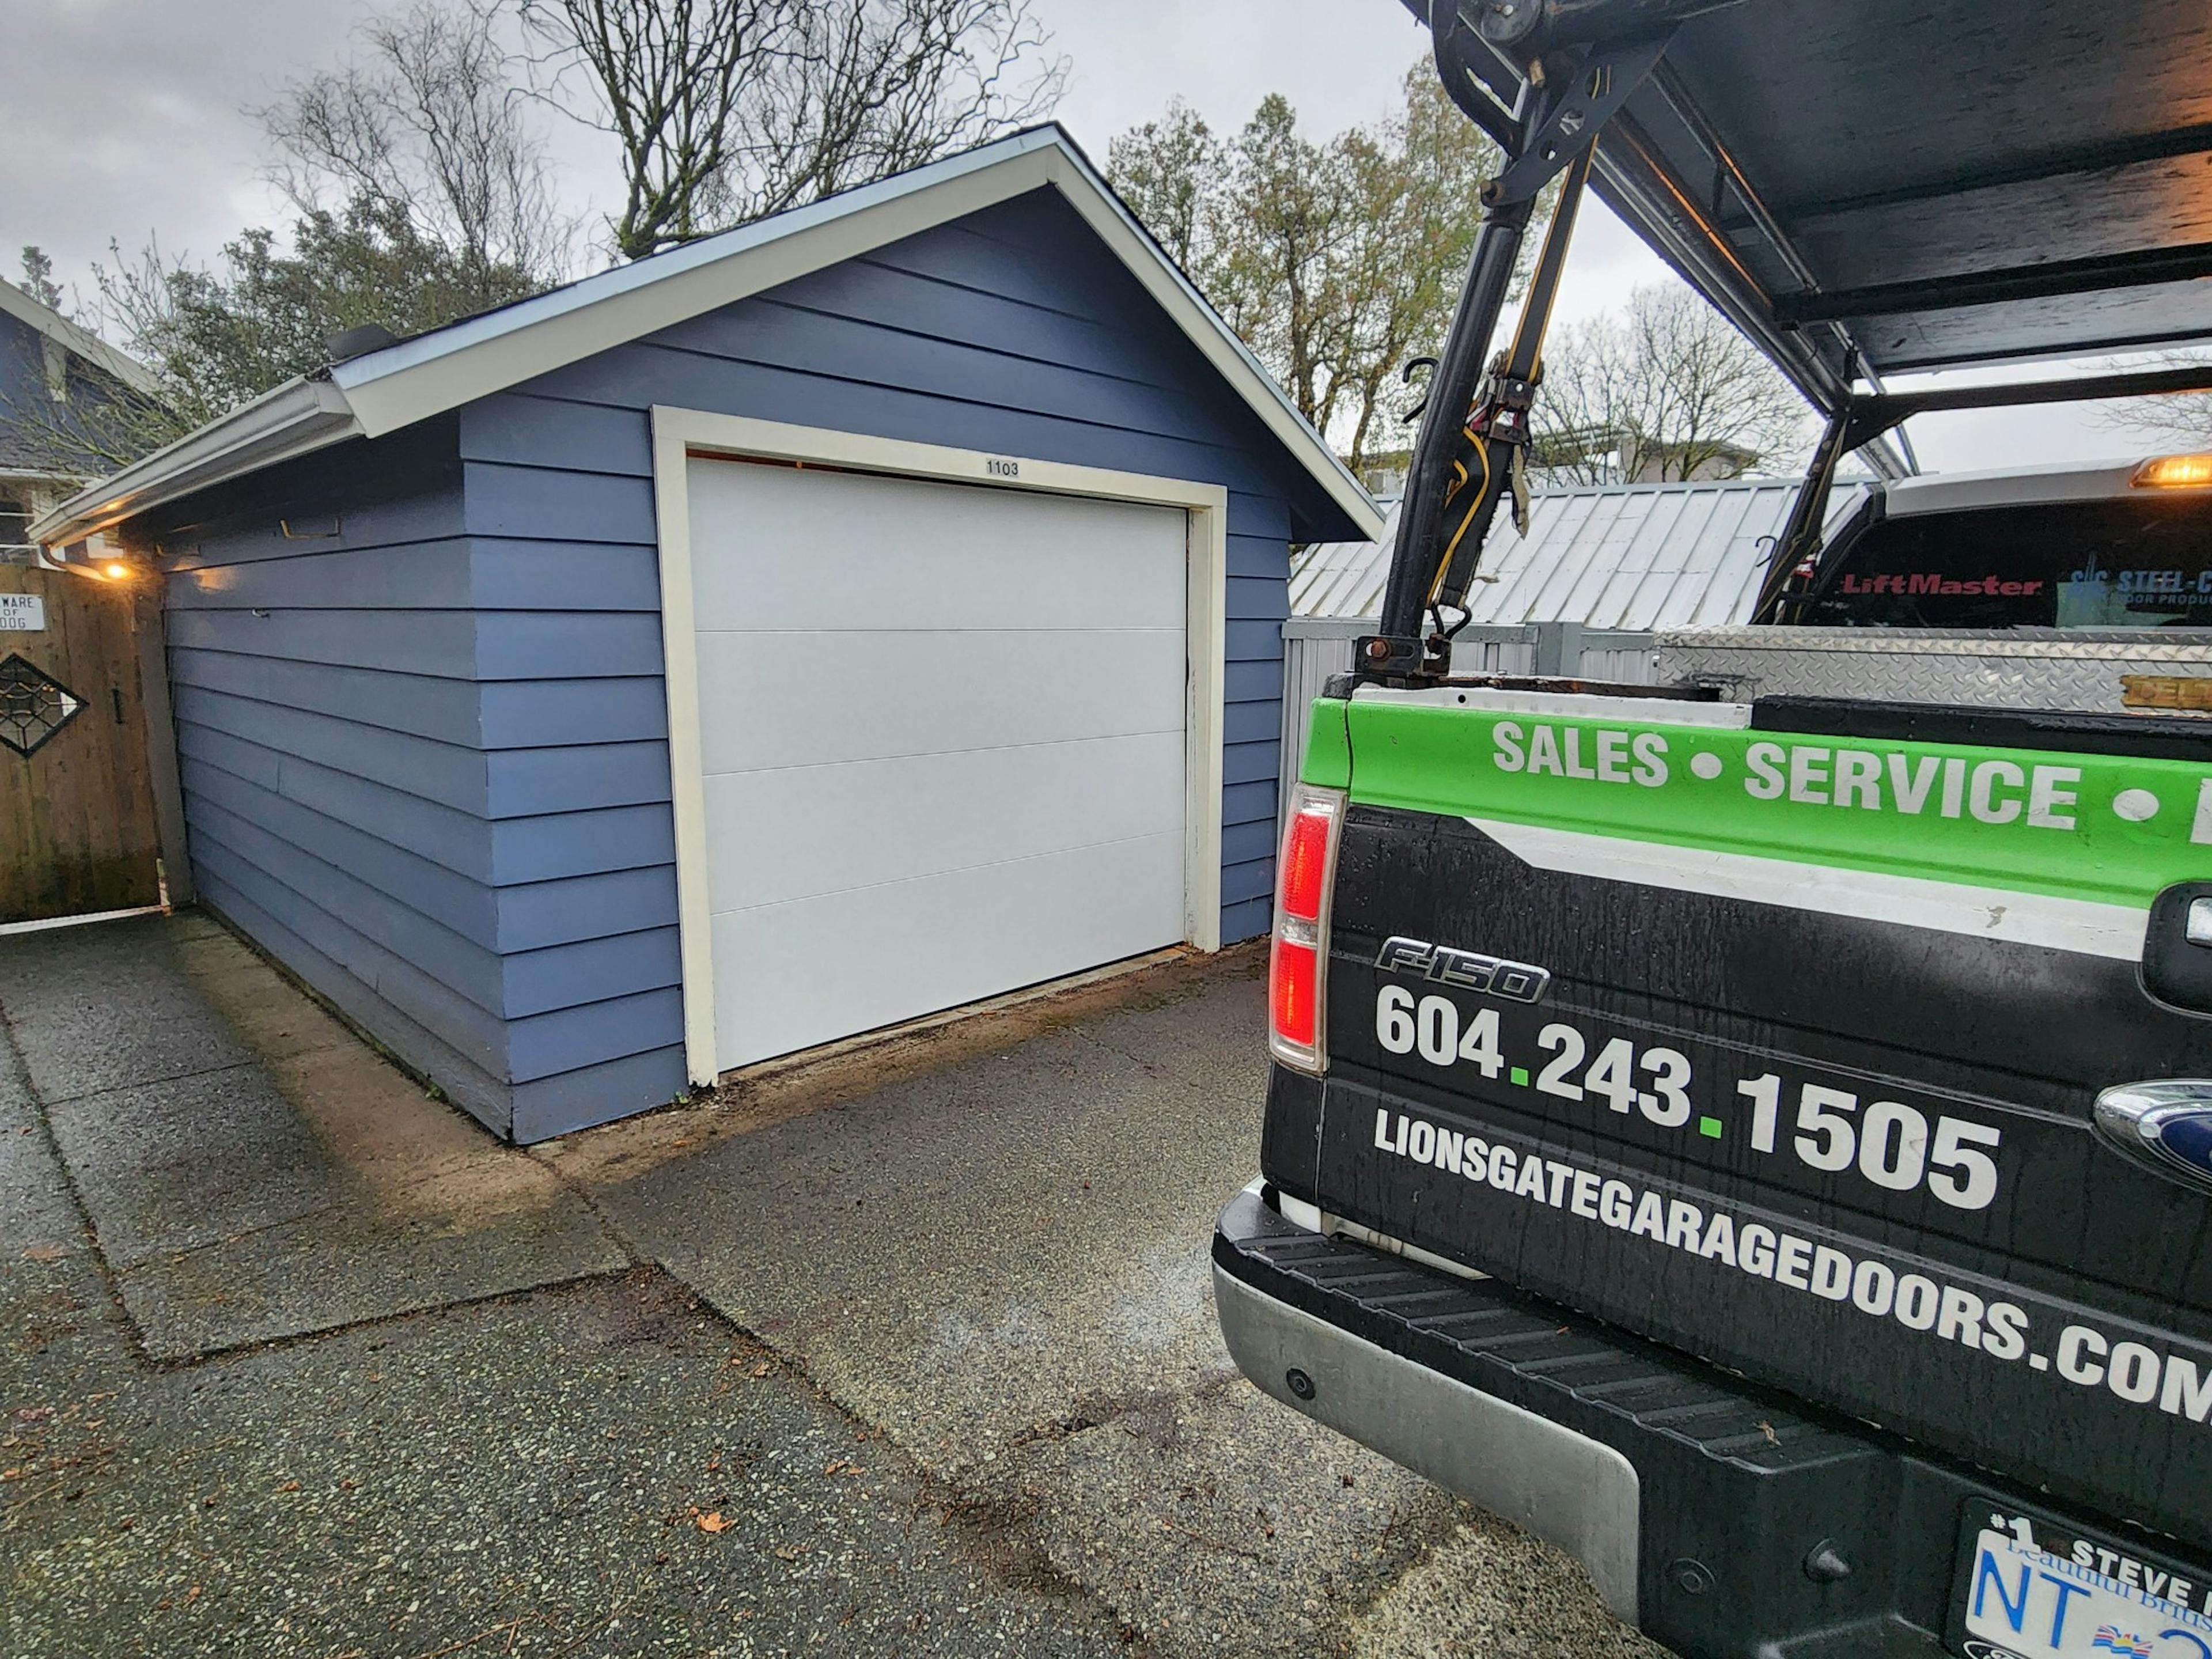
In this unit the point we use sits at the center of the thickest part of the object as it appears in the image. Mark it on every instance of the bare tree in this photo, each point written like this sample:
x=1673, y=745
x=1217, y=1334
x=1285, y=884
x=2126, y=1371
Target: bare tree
x=1665, y=391
x=727, y=110
x=665, y=79
x=426, y=122
x=866, y=88
x=2183, y=419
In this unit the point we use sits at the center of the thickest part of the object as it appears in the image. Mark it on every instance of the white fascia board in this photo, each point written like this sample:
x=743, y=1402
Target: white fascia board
x=419, y=378
x=71, y=338
x=382, y=392
x=297, y=418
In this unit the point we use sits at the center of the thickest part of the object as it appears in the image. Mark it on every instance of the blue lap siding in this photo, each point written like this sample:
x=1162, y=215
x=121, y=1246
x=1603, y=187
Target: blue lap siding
x=418, y=680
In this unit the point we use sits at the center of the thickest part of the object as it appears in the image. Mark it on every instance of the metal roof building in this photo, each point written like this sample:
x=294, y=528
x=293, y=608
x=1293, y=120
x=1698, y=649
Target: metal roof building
x=1621, y=556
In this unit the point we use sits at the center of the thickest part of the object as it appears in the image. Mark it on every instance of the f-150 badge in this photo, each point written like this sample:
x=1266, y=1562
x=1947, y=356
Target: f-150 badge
x=1515, y=982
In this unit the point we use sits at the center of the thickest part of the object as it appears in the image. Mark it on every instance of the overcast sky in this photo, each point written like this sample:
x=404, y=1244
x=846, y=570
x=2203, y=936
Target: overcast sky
x=129, y=121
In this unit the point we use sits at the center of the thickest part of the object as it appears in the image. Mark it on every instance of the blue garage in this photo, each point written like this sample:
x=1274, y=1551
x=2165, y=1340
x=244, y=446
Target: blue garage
x=852, y=617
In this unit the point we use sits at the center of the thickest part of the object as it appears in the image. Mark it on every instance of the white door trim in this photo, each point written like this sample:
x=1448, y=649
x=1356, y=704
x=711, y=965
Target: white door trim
x=678, y=435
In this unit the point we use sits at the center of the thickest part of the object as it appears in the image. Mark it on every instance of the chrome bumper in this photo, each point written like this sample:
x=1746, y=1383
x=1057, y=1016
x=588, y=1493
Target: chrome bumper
x=1575, y=1491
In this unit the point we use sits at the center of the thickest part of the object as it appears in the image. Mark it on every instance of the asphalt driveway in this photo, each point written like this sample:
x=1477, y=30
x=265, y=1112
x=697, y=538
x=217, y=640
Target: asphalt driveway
x=906, y=1350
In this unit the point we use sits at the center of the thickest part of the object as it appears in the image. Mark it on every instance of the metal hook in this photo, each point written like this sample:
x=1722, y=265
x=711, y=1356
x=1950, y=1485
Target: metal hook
x=1406, y=378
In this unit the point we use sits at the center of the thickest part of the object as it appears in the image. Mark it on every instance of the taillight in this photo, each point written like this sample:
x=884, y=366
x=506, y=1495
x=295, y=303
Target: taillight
x=1298, y=973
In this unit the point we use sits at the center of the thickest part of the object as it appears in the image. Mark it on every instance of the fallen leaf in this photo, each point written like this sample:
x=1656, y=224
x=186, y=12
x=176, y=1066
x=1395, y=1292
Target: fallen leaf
x=835, y=1466
x=12, y=1474
x=712, y=1522
x=762, y=1368
x=789, y=1551
x=289, y=1486
x=46, y=1252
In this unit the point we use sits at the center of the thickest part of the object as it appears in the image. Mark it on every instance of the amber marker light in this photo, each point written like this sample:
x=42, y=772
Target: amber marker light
x=116, y=573
x=2175, y=472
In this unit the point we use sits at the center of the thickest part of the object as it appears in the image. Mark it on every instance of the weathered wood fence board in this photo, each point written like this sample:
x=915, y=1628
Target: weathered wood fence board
x=78, y=828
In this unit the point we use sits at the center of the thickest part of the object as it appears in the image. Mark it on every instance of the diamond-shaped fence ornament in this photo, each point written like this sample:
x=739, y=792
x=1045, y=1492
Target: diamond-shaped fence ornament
x=33, y=706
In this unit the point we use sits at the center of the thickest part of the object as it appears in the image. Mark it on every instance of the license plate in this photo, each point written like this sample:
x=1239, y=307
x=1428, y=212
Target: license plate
x=2032, y=1587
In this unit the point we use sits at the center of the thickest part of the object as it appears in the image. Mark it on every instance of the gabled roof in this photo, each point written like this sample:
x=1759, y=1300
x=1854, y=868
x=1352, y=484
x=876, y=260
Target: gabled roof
x=78, y=341
x=399, y=385
x=1633, y=556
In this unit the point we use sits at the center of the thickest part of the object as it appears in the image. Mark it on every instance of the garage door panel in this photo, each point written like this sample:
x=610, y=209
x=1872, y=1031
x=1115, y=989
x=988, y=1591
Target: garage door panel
x=942, y=735
x=805, y=831
x=904, y=553
x=771, y=700
x=789, y=976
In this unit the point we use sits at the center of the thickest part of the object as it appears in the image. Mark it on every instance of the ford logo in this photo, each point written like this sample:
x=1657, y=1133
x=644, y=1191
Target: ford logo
x=2165, y=1126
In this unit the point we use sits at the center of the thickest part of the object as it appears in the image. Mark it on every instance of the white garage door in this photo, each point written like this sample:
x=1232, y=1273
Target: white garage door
x=942, y=732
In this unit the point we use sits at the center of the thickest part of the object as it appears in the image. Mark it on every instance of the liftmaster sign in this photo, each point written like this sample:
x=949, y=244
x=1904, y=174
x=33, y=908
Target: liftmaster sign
x=22, y=613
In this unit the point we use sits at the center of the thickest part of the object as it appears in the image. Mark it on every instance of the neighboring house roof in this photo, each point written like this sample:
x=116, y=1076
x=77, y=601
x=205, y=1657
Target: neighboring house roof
x=80, y=341
x=383, y=390
x=1635, y=556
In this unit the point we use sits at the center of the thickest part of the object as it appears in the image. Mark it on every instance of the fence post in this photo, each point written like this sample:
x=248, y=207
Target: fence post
x=1558, y=649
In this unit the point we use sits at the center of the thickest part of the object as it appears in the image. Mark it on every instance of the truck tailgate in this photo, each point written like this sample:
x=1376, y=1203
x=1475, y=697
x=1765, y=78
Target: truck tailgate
x=1808, y=1091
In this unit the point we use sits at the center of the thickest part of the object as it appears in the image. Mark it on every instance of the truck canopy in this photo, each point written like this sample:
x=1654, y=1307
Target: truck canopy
x=1864, y=189
x=1872, y=186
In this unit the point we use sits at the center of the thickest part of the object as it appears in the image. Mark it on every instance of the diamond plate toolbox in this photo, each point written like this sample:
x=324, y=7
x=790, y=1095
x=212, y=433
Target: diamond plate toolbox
x=2039, y=668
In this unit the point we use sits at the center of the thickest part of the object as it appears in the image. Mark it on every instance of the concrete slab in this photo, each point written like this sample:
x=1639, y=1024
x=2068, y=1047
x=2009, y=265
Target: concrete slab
x=1220, y=1524
x=171, y=1166
x=348, y=1266
x=36, y=1209
x=994, y=1414
x=106, y=1006
x=304, y=1187
x=977, y=1250
x=1001, y=1259
x=1490, y=1588
x=601, y=1469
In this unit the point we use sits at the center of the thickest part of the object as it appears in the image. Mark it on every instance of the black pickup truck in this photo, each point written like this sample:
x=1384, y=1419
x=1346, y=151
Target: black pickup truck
x=1756, y=1130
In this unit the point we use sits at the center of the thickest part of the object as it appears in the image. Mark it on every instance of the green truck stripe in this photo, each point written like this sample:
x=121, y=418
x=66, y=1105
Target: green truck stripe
x=2102, y=829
